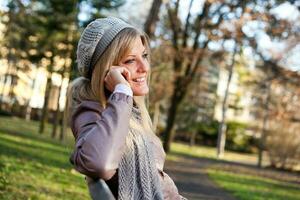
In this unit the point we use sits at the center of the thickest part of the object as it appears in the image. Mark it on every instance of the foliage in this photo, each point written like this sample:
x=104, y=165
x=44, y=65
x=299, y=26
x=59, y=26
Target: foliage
x=236, y=137
x=283, y=145
x=5, y=113
x=276, y=96
x=249, y=187
x=36, y=167
x=207, y=133
x=216, y=23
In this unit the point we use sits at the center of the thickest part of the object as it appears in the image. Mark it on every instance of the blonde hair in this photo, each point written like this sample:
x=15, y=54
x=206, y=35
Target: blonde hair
x=93, y=89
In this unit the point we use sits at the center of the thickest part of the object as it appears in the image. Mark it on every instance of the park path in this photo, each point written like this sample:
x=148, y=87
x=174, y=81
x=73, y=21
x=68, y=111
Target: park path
x=192, y=181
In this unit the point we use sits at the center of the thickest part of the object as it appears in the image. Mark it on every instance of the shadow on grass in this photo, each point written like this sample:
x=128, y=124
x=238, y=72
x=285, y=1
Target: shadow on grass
x=41, y=143
x=36, y=150
x=35, y=136
x=237, y=167
x=210, y=161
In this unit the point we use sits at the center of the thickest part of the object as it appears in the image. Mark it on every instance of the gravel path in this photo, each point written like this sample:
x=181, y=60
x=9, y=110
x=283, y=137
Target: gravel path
x=192, y=181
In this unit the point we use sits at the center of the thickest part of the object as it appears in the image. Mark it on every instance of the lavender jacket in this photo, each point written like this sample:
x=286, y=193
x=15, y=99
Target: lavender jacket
x=100, y=139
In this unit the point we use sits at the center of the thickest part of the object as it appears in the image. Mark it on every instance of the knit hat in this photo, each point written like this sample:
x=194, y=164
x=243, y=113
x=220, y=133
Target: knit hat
x=94, y=40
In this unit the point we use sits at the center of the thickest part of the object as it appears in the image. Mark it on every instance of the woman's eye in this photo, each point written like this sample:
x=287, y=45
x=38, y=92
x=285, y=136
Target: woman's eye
x=129, y=61
x=145, y=55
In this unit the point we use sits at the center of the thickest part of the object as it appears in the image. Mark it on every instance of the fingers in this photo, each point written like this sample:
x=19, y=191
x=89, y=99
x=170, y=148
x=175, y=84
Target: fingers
x=126, y=73
x=109, y=83
x=116, y=75
x=116, y=70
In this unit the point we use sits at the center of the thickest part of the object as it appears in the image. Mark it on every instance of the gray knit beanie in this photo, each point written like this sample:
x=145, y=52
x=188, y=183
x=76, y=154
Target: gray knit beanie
x=94, y=40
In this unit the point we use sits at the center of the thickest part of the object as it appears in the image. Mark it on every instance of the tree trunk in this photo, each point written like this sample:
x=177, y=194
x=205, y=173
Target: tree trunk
x=152, y=18
x=181, y=85
x=6, y=74
x=44, y=116
x=179, y=92
x=222, y=126
x=221, y=136
x=68, y=70
x=169, y=131
x=14, y=80
x=261, y=145
x=57, y=115
x=193, y=138
x=28, y=108
x=181, y=81
x=63, y=128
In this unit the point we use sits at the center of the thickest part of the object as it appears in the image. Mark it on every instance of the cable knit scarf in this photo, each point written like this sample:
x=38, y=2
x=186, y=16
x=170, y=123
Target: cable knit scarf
x=138, y=175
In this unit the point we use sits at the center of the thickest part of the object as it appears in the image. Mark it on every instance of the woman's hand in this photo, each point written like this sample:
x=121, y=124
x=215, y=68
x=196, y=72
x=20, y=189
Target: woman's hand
x=116, y=75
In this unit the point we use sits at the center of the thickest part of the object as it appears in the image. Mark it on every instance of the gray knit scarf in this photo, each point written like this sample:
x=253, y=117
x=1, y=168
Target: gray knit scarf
x=137, y=173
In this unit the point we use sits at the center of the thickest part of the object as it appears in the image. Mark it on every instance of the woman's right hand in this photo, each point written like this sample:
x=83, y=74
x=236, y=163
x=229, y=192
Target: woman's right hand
x=116, y=75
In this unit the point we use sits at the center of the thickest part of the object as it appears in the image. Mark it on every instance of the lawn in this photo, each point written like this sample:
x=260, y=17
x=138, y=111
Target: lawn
x=33, y=166
x=210, y=152
x=237, y=173
x=251, y=187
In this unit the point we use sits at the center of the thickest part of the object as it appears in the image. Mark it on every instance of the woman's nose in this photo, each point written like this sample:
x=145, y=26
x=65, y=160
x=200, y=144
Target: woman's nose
x=143, y=66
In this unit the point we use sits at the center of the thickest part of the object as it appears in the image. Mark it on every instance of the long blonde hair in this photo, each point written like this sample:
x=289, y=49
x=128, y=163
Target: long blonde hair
x=94, y=89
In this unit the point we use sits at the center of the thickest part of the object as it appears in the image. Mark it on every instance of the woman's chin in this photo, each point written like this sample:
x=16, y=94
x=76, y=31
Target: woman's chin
x=140, y=91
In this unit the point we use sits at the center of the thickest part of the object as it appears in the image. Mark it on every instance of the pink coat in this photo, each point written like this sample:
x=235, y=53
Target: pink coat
x=100, y=138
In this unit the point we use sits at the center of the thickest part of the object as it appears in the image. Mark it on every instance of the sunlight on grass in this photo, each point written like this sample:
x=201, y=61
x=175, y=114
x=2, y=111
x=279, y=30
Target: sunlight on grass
x=246, y=187
x=21, y=126
x=210, y=152
x=34, y=166
x=240, y=183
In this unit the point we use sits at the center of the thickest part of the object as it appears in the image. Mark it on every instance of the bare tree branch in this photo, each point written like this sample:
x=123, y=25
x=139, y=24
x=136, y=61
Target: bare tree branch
x=198, y=22
x=152, y=18
x=187, y=25
x=174, y=21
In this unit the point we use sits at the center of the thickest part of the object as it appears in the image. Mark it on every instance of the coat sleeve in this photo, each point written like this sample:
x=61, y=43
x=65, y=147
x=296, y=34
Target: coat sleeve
x=100, y=135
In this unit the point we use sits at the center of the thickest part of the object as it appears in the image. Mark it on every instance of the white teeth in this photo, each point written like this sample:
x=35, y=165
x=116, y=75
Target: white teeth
x=139, y=79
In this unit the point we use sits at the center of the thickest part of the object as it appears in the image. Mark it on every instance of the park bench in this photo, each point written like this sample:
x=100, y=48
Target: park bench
x=99, y=190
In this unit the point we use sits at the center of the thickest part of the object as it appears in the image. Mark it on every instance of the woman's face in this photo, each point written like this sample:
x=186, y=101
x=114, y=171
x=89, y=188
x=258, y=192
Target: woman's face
x=136, y=61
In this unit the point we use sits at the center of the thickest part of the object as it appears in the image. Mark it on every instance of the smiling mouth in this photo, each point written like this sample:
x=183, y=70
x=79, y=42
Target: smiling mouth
x=139, y=80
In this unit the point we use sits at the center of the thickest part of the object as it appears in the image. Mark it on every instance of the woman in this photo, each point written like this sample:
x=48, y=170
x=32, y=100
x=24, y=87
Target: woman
x=112, y=128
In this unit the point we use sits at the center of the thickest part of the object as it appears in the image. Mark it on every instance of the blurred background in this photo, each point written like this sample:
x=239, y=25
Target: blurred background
x=224, y=97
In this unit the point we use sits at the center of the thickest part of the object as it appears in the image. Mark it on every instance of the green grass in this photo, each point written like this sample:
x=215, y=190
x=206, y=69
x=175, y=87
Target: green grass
x=245, y=183
x=250, y=187
x=33, y=166
x=210, y=152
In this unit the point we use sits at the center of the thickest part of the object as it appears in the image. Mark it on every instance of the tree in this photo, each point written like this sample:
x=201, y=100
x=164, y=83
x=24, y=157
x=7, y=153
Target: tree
x=280, y=30
x=152, y=18
x=13, y=43
x=73, y=36
x=46, y=25
x=54, y=19
x=191, y=38
x=222, y=126
x=65, y=72
x=276, y=101
x=160, y=81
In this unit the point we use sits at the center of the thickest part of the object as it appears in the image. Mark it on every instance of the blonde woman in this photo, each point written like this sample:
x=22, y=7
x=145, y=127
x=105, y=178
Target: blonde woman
x=111, y=125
